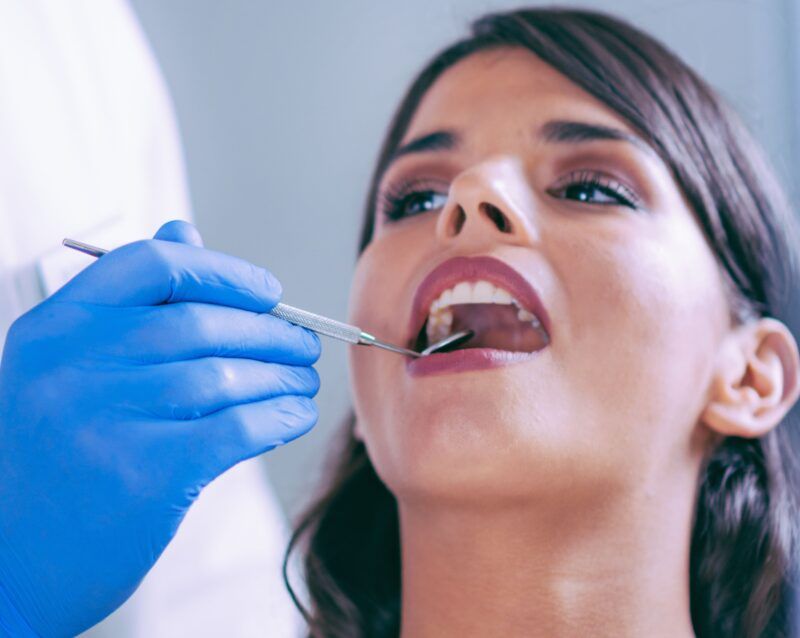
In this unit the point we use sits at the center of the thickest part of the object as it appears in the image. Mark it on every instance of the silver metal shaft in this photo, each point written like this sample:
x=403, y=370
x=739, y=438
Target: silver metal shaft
x=312, y=321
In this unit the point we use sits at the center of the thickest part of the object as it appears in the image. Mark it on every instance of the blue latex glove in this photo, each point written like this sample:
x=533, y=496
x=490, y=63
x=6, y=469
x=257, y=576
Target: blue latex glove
x=121, y=396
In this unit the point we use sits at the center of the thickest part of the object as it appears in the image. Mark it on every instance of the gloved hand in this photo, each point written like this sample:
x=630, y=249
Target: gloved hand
x=121, y=396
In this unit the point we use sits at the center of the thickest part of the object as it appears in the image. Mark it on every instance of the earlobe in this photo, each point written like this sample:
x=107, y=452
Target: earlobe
x=756, y=380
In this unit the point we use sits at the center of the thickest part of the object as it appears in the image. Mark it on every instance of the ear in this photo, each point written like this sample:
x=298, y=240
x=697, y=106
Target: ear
x=756, y=380
x=357, y=431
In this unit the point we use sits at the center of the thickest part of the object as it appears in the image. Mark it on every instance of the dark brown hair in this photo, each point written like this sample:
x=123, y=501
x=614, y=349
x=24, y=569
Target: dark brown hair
x=743, y=540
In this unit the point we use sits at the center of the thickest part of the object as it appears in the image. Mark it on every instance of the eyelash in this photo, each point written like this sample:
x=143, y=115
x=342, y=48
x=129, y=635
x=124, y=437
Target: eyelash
x=623, y=195
x=398, y=196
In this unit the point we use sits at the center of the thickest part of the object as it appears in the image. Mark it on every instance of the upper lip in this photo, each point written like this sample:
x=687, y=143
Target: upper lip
x=449, y=273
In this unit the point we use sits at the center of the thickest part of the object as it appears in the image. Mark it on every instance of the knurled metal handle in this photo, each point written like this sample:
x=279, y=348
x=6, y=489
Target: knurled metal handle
x=317, y=323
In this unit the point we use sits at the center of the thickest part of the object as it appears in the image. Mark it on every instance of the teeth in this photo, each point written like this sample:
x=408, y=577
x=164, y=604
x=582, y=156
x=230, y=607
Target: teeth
x=524, y=315
x=440, y=317
x=483, y=290
x=501, y=296
x=472, y=292
x=439, y=325
x=462, y=293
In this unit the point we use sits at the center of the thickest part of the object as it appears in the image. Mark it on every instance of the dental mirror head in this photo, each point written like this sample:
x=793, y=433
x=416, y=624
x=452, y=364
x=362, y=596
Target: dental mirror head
x=455, y=339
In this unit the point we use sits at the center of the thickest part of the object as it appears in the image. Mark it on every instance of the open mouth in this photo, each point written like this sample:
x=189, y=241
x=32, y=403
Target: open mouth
x=497, y=319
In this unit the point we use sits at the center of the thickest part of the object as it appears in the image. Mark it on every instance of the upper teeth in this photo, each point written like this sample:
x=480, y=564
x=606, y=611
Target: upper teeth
x=440, y=316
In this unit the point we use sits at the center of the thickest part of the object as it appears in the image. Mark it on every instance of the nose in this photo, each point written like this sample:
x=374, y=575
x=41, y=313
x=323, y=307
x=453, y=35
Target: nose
x=489, y=202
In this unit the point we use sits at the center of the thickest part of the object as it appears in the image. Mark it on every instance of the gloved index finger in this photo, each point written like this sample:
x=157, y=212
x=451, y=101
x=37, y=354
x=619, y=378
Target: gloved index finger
x=152, y=272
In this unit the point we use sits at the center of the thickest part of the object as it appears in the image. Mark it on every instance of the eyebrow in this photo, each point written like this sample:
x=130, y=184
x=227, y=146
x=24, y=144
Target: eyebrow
x=560, y=131
x=437, y=141
x=577, y=132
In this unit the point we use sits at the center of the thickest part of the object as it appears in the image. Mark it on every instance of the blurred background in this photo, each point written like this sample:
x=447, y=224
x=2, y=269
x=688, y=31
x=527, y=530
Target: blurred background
x=282, y=107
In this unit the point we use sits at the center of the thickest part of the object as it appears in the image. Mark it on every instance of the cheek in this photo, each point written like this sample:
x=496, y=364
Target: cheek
x=381, y=289
x=379, y=303
x=364, y=312
x=646, y=315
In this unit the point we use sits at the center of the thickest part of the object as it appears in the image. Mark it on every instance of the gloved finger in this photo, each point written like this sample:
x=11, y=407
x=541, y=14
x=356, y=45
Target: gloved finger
x=189, y=330
x=223, y=439
x=153, y=271
x=185, y=390
x=181, y=232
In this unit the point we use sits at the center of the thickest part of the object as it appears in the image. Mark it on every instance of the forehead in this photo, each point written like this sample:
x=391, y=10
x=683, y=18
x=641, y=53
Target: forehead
x=505, y=88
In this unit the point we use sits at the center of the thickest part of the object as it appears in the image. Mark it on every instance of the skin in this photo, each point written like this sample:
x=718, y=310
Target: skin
x=554, y=497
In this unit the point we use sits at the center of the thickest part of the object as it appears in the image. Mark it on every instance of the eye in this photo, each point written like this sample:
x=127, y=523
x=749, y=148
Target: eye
x=591, y=187
x=411, y=198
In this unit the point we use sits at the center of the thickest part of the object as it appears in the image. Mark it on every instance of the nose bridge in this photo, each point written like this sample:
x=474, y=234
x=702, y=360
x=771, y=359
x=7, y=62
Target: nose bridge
x=489, y=199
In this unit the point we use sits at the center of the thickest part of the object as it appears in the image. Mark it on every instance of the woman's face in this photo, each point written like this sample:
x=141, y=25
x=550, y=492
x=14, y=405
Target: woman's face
x=519, y=164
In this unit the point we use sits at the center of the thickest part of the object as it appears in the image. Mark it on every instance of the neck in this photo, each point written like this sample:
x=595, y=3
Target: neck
x=610, y=569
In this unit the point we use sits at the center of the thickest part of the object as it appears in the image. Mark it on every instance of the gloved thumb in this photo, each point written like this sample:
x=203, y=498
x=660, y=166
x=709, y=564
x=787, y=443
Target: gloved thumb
x=180, y=232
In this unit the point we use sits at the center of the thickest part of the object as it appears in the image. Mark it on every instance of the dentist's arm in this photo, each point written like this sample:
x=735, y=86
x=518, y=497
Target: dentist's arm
x=123, y=395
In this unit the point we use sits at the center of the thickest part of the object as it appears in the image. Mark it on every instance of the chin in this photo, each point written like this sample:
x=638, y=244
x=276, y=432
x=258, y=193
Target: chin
x=453, y=449
x=494, y=445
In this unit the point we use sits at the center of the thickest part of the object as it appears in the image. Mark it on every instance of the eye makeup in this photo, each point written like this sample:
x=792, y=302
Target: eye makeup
x=409, y=197
x=618, y=169
x=581, y=185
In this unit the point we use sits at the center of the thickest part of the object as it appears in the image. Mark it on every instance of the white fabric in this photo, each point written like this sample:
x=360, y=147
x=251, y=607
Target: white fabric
x=89, y=149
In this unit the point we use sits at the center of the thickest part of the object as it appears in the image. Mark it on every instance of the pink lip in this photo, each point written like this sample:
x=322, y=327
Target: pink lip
x=463, y=360
x=452, y=271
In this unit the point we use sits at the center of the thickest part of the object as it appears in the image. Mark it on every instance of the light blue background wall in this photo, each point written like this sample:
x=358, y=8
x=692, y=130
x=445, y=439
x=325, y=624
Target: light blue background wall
x=282, y=107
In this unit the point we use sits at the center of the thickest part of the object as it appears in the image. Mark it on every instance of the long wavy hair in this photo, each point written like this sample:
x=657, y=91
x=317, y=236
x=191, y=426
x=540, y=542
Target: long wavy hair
x=743, y=539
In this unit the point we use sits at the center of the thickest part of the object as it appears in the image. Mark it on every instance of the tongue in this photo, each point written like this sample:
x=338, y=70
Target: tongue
x=496, y=326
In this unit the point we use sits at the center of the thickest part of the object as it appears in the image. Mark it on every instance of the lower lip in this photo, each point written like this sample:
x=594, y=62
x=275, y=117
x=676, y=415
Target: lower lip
x=463, y=360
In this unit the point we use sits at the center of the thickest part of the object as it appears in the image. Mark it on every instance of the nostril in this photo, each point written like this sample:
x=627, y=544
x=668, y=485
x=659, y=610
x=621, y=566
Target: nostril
x=497, y=216
x=456, y=222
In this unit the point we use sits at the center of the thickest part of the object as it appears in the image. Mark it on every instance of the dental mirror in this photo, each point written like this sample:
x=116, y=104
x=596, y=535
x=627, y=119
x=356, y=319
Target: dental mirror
x=455, y=339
